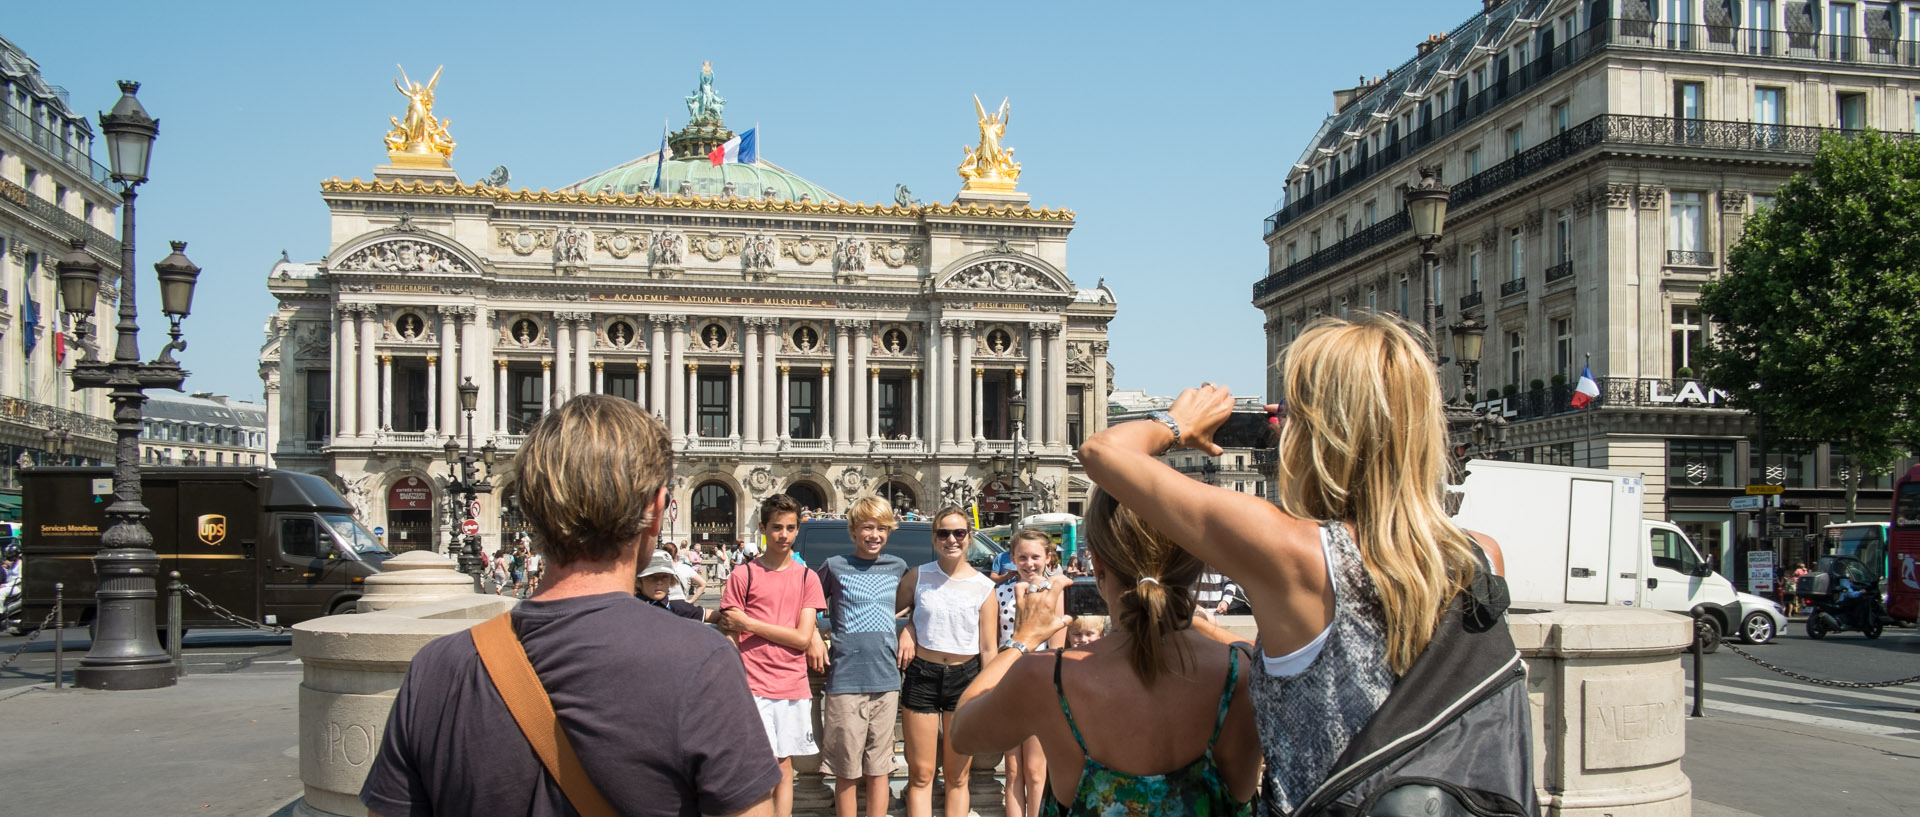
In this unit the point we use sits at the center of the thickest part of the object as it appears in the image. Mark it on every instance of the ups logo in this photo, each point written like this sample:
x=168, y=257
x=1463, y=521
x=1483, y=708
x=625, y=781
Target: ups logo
x=213, y=528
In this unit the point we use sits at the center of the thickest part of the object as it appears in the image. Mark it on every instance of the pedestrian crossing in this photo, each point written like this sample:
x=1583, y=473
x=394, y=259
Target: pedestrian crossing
x=1890, y=712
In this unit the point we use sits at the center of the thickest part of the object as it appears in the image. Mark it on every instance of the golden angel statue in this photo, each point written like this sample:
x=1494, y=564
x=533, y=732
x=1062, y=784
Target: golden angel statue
x=990, y=167
x=419, y=135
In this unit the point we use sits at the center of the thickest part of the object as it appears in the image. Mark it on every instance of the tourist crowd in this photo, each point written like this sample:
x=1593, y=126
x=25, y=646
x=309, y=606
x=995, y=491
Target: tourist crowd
x=1151, y=709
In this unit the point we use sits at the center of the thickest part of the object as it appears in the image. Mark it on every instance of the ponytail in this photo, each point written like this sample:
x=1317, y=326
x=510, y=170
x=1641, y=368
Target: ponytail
x=1158, y=576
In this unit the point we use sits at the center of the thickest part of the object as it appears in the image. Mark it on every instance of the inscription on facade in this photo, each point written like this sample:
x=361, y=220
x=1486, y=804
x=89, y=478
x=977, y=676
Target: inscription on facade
x=721, y=300
x=1637, y=721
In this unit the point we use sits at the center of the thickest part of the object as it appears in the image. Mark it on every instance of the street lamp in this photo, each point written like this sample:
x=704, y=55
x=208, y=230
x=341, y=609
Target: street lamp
x=465, y=484
x=126, y=653
x=1487, y=428
x=893, y=490
x=57, y=441
x=1427, y=209
x=1017, y=412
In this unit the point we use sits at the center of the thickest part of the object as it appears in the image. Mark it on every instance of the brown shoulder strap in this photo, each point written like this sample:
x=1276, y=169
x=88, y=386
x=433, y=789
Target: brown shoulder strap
x=513, y=675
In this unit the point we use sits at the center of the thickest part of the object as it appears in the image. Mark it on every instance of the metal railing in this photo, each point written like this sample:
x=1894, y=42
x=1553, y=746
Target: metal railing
x=1513, y=287
x=41, y=415
x=1613, y=33
x=1689, y=258
x=1559, y=271
x=1471, y=300
x=1603, y=131
x=56, y=146
x=106, y=246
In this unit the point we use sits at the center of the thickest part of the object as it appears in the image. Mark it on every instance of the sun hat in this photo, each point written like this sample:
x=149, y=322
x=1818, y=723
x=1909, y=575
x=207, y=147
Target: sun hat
x=661, y=563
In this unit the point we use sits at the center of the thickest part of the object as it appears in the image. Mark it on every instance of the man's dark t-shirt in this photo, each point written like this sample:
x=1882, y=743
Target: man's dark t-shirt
x=683, y=609
x=656, y=707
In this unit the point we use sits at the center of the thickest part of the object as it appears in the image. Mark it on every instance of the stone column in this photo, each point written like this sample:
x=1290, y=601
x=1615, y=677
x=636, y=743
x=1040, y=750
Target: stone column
x=827, y=414
x=773, y=424
x=963, y=385
x=546, y=386
x=369, y=376
x=386, y=392
x=346, y=411
x=447, y=380
x=930, y=401
x=433, y=395
x=873, y=402
x=784, y=413
x=1057, y=386
x=657, y=362
x=562, y=350
x=857, y=382
x=979, y=401
x=583, y=354
x=692, y=391
x=643, y=390
x=749, y=357
x=500, y=424
x=1095, y=413
x=918, y=401
x=840, y=365
x=599, y=377
x=676, y=377
x=1035, y=387
x=733, y=398
x=476, y=348
x=946, y=380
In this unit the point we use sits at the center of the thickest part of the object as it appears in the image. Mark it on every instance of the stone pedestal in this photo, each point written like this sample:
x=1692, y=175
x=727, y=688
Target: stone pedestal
x=992, y=198
x=414, y=577
x=424, y=172
x=352, y=667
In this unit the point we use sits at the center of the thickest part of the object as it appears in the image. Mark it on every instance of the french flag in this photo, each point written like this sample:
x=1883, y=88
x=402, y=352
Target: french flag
x=744, y=148
x=1587, y=390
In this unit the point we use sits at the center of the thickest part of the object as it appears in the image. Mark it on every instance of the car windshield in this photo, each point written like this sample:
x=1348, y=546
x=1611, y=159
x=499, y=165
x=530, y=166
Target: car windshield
x=913, y=543
x=352, y=539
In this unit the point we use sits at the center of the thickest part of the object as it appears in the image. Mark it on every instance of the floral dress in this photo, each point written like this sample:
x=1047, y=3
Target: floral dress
x=1193, y=790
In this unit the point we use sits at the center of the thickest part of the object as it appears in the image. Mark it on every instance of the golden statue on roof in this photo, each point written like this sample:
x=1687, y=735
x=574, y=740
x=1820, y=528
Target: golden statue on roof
x=419, y=140
x=990, y=168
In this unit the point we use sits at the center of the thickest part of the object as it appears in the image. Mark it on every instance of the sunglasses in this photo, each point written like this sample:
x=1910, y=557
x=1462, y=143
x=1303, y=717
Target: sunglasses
x=951, y=533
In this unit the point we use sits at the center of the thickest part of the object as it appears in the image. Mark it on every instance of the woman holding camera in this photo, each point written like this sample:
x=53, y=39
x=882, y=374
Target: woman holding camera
x=1032, y=552
x=1350, y=575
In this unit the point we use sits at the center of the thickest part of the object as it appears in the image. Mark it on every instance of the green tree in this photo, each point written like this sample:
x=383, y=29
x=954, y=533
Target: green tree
x=1819, y=309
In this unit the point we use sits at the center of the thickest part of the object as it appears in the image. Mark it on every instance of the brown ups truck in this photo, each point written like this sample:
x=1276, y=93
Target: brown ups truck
x=274, y=546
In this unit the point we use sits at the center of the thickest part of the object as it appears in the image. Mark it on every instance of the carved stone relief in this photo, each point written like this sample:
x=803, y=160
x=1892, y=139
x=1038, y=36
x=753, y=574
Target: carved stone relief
x=713, y=246
x=670, y=249
x=570, y=246
x=896, y=254
x=1618, y=196
x=404, y=255
x=620, y=243
x=523, y=240
x=850, y=255
x=1733, y=202
x=1002, y=275
x=757, y=253
x=806, y=251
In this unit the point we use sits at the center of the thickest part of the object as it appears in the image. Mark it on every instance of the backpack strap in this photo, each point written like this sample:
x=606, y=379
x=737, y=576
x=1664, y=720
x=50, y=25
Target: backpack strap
x=507, y=665
x=1226, y=695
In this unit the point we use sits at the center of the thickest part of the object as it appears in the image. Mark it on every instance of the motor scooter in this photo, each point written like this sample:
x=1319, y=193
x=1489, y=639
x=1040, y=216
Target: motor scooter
x=12, y=599
x=1844, y=597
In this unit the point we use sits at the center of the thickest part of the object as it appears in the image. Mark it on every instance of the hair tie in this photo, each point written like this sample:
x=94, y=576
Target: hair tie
x=1145, y=579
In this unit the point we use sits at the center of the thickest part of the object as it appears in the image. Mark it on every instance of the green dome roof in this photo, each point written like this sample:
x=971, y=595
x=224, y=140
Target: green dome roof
x=750, y=181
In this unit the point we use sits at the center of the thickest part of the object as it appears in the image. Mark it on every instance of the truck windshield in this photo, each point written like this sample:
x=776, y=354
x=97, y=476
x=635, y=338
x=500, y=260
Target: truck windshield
x=355, y=539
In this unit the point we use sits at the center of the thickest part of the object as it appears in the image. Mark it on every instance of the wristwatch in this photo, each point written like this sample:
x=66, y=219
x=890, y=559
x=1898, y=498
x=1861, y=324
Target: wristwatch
x=1015, y=645
x=1171, y=426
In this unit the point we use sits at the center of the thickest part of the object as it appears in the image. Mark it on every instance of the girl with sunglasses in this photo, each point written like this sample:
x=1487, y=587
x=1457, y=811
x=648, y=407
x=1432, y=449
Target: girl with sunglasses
x=954, y=619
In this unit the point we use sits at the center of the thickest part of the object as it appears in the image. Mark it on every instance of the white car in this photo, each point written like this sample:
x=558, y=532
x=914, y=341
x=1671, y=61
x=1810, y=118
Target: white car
x=1760, y=619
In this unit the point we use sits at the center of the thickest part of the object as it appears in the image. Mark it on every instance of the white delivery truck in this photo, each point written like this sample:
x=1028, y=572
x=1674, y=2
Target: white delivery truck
x=1576, y=535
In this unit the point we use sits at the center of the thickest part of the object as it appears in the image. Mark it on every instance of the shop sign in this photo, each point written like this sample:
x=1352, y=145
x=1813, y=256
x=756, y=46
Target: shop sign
x=1691, y=393
x=1760, y=571
x=410, y=494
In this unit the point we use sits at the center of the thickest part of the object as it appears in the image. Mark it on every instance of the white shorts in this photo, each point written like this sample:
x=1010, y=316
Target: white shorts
x=789, y=726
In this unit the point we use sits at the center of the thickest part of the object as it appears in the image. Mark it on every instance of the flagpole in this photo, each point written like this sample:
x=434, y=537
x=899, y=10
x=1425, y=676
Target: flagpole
x=1588, y=367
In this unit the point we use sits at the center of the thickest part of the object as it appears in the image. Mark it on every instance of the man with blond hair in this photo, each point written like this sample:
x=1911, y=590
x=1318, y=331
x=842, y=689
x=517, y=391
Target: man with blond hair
x=655, y=706
x=863, y=674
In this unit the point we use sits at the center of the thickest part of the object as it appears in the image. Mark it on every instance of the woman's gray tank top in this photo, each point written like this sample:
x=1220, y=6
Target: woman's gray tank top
x=1306, y=720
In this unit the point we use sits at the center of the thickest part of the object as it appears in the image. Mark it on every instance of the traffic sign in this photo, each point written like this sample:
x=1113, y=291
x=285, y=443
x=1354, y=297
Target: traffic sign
x=379, y=530
x=470, y=527
x=1746, y=503
x=473, y=508
x=1759, y=490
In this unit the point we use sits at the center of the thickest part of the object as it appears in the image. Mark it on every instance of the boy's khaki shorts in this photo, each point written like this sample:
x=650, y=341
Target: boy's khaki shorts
x=857, y=734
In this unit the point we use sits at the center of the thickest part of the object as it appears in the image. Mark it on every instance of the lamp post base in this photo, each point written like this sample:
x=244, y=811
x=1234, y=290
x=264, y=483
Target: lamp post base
x=126, y=652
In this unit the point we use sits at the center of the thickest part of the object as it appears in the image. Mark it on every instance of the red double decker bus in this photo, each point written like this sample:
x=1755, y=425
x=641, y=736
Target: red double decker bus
x=1903, y=549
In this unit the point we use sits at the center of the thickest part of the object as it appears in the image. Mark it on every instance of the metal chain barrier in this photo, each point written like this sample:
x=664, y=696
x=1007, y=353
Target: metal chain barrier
x=214, y=607
x=22, y=649
x=1820, y=681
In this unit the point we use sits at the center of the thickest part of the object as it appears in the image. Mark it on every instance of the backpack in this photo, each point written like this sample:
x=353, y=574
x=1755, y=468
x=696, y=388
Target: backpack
x=1455, y=736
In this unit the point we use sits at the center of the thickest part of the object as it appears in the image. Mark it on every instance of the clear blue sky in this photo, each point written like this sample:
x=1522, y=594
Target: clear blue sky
x=1168, y=128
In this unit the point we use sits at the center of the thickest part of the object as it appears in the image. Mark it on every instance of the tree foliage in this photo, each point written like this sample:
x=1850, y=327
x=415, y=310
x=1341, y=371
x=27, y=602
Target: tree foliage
x=1820, y=304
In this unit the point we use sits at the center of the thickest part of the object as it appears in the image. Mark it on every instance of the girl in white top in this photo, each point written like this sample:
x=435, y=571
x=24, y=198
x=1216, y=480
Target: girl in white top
x=953, y=622
x=1033, y=566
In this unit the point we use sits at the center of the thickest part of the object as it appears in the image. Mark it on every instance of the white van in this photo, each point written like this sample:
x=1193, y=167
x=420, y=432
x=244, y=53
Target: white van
x=1576, y=535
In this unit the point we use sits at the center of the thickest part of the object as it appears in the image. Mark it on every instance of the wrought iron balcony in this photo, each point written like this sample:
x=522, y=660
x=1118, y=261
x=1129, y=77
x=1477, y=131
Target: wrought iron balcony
x=1618, y=133
x=1513, y=287
x=43, y=416
x=1559, y=272
x=1471, y=300
x=103, y=245
x=1689, y=258
x=63, y=151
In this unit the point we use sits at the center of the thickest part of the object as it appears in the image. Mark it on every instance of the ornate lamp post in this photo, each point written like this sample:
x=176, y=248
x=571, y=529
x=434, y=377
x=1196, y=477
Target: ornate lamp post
x=465, y=484
x=1017, y=412
x=1487, y=429
x=1427, y=209
x=57, y=441
x=126, y=653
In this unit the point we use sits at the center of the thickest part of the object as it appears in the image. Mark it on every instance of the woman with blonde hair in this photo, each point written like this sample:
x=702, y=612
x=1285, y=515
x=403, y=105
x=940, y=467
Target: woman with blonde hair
x=1026, y=764
x=1349, y=577
x=1153, y=719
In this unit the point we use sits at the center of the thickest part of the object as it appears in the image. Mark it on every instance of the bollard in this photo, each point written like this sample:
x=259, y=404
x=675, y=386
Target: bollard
x=1699, y=670
x=59, y=632
x=173, y=621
